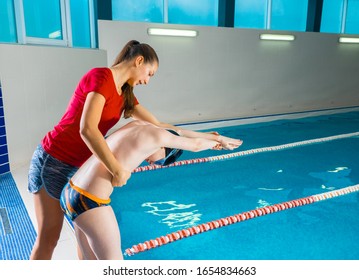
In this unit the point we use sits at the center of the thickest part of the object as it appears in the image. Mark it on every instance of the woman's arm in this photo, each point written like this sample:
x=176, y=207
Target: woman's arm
x=95, y=141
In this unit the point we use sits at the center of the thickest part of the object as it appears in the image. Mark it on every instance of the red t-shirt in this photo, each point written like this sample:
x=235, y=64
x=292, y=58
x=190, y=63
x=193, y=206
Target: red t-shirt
x=64, y=141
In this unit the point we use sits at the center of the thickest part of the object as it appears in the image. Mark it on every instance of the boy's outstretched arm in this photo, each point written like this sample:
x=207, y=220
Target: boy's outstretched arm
x=226, y=142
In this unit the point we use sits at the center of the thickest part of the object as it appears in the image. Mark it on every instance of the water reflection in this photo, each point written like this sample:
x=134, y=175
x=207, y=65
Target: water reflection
x=332, y=179
x=174, y=214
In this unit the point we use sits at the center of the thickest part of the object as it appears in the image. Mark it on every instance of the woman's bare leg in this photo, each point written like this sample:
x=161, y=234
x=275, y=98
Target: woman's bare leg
x=49, y=221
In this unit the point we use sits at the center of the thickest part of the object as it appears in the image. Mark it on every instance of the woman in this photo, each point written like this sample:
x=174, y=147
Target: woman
x=100, y=98
x=97, y=104
x=90, y=187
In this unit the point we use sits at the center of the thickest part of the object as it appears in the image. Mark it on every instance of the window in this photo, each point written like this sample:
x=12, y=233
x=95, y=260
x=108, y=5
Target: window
x=289, y=15
x=250, y=14
x=82, y=24
x=340, y=16
x=199, y=12
x=271, y=14
x=352, y=17
x=37, y=13
x=7, y=22
x=48, y=22
x=332, y=16
x=144, y=10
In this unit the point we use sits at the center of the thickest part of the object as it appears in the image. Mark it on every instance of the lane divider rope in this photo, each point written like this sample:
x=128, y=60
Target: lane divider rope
x=184, y=233
x=247, y=152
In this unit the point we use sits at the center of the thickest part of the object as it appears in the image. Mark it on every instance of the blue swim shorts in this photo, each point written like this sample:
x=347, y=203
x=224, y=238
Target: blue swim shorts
x=49, y=172
x=74, y=201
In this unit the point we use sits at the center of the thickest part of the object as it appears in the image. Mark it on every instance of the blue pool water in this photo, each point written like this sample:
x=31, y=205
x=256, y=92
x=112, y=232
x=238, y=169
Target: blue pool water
x=155, y=203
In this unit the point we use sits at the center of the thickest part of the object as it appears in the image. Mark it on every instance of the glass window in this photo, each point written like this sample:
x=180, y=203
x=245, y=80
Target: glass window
x=250, y=14
x=332, y=16
x=80, y=23
x=144, y=10
x=43, y=19
x=7, y=22
x=199, y=12
x=289, y=15
x=352, y=18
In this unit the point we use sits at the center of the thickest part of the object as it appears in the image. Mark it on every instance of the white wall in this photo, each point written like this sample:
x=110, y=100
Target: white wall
x=230, y=73
x=37, y=84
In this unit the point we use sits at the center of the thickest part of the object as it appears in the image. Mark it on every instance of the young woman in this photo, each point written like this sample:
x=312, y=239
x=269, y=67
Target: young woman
x=99, y=100
x=90, y=188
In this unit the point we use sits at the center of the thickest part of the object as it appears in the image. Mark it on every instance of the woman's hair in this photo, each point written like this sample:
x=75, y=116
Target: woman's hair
x=130, y=51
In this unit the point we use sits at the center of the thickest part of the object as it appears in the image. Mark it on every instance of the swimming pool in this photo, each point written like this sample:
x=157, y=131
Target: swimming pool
x=155, y=203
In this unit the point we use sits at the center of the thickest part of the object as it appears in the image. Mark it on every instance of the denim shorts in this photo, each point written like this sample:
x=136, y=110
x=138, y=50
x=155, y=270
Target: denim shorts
x=49, y=172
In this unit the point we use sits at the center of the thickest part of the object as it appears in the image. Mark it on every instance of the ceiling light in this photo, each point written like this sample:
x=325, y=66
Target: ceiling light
x=172, y=32
x=349, y=40
x=277, y=37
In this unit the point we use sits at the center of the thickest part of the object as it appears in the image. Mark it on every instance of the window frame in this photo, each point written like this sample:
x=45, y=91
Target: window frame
x=66, y=27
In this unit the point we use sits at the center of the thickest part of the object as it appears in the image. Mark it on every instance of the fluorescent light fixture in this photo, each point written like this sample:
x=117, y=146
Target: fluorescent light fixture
x=277, y=37
x=349, y=40
x=172, y=32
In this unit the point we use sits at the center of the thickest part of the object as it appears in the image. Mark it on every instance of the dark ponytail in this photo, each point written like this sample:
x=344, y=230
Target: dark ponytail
x=130, y=51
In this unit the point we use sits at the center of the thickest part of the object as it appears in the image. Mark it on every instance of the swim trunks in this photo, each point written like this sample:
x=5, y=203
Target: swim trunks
x=74, y=201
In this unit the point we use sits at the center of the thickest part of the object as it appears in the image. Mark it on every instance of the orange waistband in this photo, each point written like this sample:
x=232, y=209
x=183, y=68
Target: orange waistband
x=89, y=195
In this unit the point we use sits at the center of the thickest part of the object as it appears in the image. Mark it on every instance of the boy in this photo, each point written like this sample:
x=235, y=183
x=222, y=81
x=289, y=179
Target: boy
x=85, y=199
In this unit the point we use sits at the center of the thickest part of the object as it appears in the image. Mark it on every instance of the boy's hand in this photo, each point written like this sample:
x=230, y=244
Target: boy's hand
x=120, y=179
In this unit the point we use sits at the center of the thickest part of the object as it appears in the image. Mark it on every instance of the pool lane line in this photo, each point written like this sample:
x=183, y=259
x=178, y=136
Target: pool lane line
x=270, y=209
x=245, y=153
